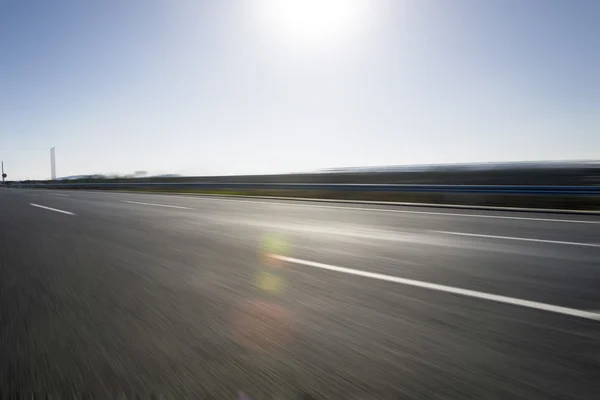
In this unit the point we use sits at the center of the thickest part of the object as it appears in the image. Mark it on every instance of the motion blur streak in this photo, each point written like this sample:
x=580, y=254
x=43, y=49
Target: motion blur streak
x=195, y=300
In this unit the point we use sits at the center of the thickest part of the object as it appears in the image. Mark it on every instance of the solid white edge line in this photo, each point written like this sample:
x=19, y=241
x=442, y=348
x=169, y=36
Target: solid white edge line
x=156, y=205
x=449, y=289
x=52, y=209
x=518, y=238
x=401, y=203
x=288, y=201
x=404, y=211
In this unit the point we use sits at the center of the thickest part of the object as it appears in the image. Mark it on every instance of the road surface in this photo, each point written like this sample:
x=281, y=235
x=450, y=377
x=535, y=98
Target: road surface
x=117, y=295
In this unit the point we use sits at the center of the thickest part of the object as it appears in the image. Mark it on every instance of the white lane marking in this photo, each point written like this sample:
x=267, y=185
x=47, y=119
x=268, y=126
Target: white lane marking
x=58, y=194
x=52, y=209
x=519, y=238
x=449, y=289
x=156, y=205
x=290, y=202
x=405, y=211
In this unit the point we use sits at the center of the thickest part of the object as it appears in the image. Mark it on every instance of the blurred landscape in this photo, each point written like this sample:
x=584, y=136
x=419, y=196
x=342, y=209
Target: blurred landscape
x=573, y=173
x=509, y=173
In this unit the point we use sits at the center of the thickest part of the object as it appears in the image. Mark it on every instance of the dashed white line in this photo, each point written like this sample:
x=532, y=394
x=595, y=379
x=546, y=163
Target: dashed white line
x=157, y=205
x=52, y=209
x=290, y=203
x=58, y=194
x=574, y=221
x=519, y=238
x=449, y=289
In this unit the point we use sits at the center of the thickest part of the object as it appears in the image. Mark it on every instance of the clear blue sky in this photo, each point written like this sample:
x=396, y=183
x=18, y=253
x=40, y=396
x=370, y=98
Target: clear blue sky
x=253, y=86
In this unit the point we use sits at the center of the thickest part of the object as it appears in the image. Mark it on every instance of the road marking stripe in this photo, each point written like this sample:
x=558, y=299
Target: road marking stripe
x=156, y=205
x=59, y=194
x=291, y=202
x=519, y=238
x=406, y=211
x=449, y=289
x=52, y=209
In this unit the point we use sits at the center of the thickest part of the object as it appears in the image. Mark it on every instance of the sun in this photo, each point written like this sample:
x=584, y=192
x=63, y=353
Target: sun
x=314, y=21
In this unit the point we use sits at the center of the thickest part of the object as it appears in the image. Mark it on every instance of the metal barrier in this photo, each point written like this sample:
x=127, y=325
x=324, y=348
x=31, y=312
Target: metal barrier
x=489, y=189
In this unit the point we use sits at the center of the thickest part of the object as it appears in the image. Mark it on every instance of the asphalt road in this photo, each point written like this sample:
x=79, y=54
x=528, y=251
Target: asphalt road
x=118, y=295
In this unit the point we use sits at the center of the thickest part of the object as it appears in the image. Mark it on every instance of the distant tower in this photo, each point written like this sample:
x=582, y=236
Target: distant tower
x=53, y=163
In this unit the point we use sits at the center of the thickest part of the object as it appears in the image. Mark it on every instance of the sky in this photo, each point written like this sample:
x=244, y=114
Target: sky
x=274, y=86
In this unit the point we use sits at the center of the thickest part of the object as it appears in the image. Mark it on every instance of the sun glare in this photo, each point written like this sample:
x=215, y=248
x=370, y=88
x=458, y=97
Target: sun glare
x=314, y=21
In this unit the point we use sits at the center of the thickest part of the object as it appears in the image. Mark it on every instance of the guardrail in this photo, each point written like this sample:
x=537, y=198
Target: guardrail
x=399, y=188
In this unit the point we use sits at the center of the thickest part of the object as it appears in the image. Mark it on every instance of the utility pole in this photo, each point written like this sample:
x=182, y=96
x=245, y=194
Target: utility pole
x=53, y=163
x=3, y=174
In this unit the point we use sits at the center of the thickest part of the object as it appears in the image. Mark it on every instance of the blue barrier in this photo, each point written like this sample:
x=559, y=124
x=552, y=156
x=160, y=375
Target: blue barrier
x=488, y=189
